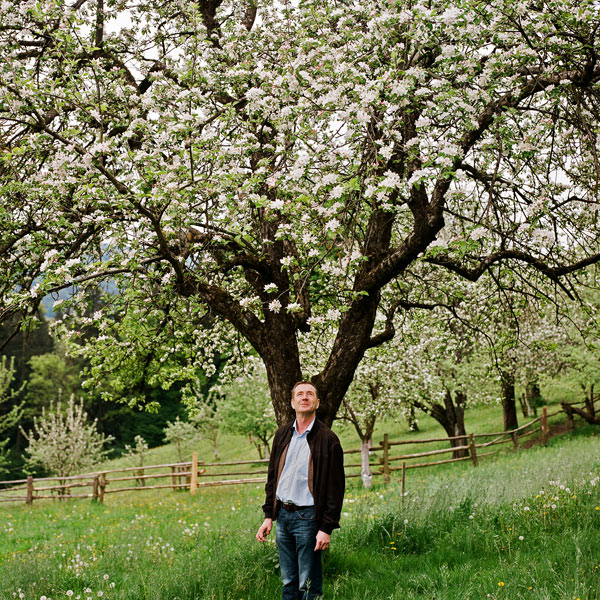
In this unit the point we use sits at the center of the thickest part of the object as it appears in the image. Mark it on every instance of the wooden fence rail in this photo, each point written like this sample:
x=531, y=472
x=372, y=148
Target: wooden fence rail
x=195, y=474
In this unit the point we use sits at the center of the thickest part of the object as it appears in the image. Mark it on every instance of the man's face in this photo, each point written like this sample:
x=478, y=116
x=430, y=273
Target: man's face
x=305, y=401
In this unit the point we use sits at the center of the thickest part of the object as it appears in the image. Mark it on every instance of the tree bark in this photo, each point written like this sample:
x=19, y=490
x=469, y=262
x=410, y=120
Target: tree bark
x=509, y=406
x=413, y=424
x=589, y=402
x=592, y=419
x=365, y=469
x=451, y=416
x=525, y=408
x=533, y=395
x=281, y=357
x=366, y=437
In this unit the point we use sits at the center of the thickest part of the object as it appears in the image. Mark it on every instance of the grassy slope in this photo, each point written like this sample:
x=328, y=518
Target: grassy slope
x=457, y=534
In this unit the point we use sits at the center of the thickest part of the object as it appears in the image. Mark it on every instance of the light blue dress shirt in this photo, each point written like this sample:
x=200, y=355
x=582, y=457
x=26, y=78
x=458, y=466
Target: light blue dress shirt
x=293, y=483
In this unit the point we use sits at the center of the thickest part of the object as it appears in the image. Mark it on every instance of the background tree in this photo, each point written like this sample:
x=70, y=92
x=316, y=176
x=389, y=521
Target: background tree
x=579, y=353
x=52, y=377
x=374, y=393
x=65, y=442
x=138, y=453
x=284, y=172
x=11, y=414
x=245, y=408
x=444, y=369
x=206, y=418
x=180, y=433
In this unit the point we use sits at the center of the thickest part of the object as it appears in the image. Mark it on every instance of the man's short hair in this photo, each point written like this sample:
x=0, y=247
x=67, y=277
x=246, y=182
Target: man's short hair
x=302, y=383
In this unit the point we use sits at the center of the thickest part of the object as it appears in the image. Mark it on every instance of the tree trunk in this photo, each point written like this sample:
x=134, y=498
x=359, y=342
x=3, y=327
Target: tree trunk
x=533, y=395
x=413, y=425
x=451, y=416
x=349, y=347
x=282, y=362
x=584, y=414
x=509, y=406
x=525, y=408
x=589, y=402
x=365, y=471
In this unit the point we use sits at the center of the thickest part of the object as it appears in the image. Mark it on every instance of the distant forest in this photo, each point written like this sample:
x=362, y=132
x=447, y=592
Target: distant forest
x=43, y=375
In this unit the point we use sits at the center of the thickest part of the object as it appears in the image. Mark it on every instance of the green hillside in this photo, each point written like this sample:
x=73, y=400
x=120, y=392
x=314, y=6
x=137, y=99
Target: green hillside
x=523, y=524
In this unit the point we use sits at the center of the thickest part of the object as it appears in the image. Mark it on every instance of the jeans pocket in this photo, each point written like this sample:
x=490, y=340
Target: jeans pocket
x=306, y=514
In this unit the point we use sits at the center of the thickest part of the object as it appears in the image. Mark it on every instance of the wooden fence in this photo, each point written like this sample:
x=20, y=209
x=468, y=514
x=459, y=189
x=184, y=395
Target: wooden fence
x=195, y=474
x=190, y=475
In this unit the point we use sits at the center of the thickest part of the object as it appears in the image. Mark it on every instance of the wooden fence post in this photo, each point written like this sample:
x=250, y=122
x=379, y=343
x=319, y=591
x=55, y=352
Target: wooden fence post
x=95, y=488
x=473, y=449
x=386, y=456
x=29, y=499
x=544, y=425
x=403, y=479
x=194, y=477
x=101, y=487
x=515, y=439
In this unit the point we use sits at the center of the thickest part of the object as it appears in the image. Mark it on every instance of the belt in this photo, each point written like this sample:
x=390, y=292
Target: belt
x=293, y=507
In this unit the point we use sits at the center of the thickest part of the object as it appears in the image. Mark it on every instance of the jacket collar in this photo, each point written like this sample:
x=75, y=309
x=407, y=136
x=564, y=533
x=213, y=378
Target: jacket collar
x=316, y=426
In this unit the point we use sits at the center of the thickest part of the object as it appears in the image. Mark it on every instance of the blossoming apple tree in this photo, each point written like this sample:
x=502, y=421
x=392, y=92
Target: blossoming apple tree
x=285, y=167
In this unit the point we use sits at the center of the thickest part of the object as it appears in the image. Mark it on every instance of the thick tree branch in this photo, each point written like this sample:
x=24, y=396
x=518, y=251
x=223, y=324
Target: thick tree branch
x=553, y=273
x=99, y=275
x=223, y=303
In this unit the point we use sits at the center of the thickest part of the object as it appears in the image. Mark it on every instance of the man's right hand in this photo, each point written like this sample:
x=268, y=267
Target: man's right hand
x=264, y=530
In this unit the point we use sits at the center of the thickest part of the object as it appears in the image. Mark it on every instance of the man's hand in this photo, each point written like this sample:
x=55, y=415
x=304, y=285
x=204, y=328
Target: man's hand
x=322, y=541
x=264, y=530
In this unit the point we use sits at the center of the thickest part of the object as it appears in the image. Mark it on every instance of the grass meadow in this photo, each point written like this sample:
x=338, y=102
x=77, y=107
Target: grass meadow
x=523, y=524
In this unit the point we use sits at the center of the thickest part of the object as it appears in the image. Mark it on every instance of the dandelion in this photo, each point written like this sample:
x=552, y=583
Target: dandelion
x=105, y=577
x=521, y=538
x=501, y=583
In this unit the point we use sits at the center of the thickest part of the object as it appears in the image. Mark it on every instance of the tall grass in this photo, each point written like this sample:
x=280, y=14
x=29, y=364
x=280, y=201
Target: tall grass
x=524, y=525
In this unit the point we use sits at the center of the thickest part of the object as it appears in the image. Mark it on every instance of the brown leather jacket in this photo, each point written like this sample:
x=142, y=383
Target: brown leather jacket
x=326, y=479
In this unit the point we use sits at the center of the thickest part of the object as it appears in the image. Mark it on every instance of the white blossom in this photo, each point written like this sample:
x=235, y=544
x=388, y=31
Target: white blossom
x=275, y=306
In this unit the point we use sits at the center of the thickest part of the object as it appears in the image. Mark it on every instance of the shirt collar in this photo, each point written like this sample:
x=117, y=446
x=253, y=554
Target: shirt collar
x=309, y=428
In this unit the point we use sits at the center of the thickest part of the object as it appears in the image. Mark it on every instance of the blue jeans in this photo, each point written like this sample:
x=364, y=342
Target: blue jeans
x=300, y=565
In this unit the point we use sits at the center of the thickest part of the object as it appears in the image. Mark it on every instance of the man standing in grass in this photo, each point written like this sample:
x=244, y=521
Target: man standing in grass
x=304, y=492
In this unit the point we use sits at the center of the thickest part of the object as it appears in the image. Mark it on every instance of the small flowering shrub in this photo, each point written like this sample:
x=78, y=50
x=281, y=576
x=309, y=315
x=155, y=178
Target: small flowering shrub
x=64, y=442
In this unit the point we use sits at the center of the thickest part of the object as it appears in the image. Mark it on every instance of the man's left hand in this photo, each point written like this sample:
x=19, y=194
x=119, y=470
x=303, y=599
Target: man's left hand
x=322, y=541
